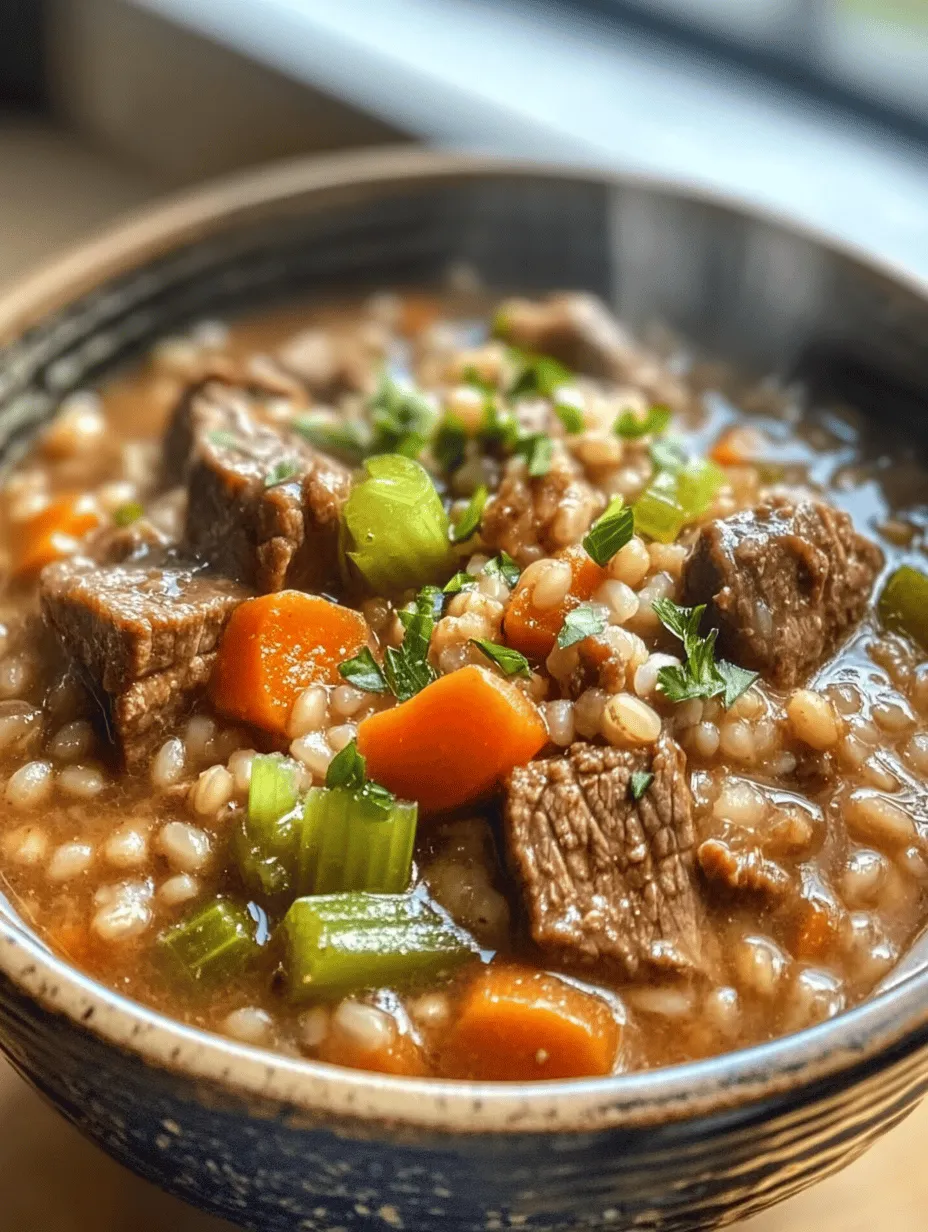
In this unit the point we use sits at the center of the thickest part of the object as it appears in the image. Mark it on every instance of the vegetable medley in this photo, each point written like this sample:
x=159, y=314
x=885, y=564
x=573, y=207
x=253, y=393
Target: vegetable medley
x=463, y=693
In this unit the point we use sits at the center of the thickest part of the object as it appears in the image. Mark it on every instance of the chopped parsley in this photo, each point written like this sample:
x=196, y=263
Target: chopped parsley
x=407, y=670
x=639, y=783
x=460, y=581
x=449, y=443
x=537, y=375
x=570, y=416
x=510, y=662
x=363, y=671
x=631, y=425
x=503, y=566
x=610, y=532
x=348, y=769
x=587, y=620
x=126, y=514
x=280, y=472
x=537, y=448
x=499, y=427
x=700, y=676
x=470, y=519
x=347, y=438
x=401, y=417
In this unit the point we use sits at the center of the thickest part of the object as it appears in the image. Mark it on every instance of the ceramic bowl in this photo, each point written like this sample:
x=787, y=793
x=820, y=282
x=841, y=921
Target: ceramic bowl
x=274, y=1143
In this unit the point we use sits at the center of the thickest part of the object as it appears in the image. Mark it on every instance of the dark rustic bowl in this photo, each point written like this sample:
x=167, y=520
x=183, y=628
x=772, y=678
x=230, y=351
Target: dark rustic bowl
x=274, y=1143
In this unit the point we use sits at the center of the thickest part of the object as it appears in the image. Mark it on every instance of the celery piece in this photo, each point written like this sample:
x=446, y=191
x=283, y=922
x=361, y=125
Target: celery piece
x=211, y=944
x=698, y=484
x=347, y=841
x=395, y=528
x=658, y=512
x=903, y=603
x=336, y=943
x=263, y=843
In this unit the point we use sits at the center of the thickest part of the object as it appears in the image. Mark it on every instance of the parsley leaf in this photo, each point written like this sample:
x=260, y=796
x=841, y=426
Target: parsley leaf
x=587, y=620
x=701, y=675
x=429, y=602
x=570, y=416
x=407, y=669
x=281, y=471
x=537, y=448
x=639, y=783
x=509, y=661
x=503, y=566
x=540, y=375
x=449, y=442
x=347, y=768
x=631, y=426
x=610, y=532
x=499, y=427
x=401, y=417
x=348, y=439
x=737, y=681
x=460, y=581
x=126, y=514
x=363, y=671
x=470, y=518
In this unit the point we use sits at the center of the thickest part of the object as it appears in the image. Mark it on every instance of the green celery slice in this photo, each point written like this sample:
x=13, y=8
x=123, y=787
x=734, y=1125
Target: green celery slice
x=698, y=484
x=336, y=943
x=346, y=844
x=395, y=528
x=263, y=843
x=211, y=944
x=658, y=513
x=903, y=603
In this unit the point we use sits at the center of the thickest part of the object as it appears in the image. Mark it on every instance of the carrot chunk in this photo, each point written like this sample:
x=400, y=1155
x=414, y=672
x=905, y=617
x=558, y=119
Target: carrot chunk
x=454, y=741
x=53, y=532
x=399, y=1055
x=532, y=630
x=514, y=1024
x=276, y=646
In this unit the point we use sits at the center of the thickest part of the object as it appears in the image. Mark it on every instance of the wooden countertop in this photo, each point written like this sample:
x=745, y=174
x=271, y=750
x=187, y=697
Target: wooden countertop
x=52, y=1180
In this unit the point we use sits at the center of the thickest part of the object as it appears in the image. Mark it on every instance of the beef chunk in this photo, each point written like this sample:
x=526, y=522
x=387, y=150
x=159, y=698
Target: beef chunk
x=609, y=881
x=262, y=505
x=545, y=510
x=143, y=635
x=331, y=363
x=575, y=328
x=783, y=583
x=745, y=870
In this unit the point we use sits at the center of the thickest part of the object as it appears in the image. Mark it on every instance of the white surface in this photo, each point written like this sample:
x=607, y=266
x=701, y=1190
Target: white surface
x=526, y=79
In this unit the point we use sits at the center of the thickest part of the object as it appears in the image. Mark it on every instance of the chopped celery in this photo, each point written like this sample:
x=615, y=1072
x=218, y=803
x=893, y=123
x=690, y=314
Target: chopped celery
x=903, y=603
x=263, y=843
x=348, y=842
x=395, y=528
x=698, y=484
x=658, y=513
x=336, y=943
x=211, y=944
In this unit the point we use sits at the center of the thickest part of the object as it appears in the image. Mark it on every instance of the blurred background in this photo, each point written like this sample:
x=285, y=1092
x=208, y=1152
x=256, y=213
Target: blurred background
x=817, y=109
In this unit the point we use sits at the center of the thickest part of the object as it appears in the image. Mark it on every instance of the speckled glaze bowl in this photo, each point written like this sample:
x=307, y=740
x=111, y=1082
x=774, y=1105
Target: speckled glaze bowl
x=274, y=1143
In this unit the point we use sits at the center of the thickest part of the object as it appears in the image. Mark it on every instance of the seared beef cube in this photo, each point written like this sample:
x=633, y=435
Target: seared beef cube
x=331, y=363
x=263, y=506
x=577, y=329
x=784, y=583
x=143, y=636
x=608, y=880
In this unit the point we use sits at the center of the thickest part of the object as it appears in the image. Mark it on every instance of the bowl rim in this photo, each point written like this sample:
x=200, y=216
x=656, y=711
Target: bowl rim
x=860, y=1040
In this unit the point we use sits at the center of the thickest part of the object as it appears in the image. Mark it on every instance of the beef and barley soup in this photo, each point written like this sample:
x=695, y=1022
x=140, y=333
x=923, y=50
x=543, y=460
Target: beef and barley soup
x=479, y=694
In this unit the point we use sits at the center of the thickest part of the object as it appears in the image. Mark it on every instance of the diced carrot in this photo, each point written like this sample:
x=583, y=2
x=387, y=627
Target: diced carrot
x=514, y=1024
x=276, y=646
x=532, y=630
x=738, y=445
x=815, y=930
x=402, y=1055
x=454, y=741
x=53, y=532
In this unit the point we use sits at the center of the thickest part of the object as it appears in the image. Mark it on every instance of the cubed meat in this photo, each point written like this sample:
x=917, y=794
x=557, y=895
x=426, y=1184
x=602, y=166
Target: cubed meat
x=143, y=635
x=609, y=881
x=263, y=506
x=577, y=329
x=784, y=583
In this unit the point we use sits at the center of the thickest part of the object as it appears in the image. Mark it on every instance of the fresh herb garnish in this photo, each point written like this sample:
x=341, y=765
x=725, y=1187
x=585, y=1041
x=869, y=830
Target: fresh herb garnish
x=639, y=783
x=630, y=425
x=449, y=443
x=539, y=375
x=537, y=448
x=347, y=438
x=348, y=769
x=470, y=518
x=701, y=675
x=126, y=514
x=570, y=416
x=587, y=620
x=226, y=440
x=510, y=662
x=402, y=418
x=499, y=427
x=503, y=566
x=363, y=671
x=460, y=581
x=610, y=532
x=429, y=601
x=407, y=669
x=281, y=471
